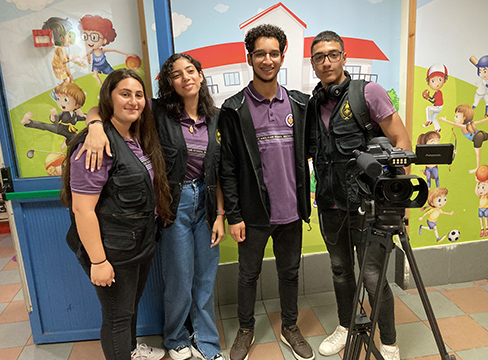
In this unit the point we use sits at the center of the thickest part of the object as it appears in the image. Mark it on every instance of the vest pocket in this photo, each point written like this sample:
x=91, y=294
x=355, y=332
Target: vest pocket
x=346, y=144
x=130, y=191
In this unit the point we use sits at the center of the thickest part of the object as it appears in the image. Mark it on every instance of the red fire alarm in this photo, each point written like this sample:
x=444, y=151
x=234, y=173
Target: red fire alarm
x=43, y=38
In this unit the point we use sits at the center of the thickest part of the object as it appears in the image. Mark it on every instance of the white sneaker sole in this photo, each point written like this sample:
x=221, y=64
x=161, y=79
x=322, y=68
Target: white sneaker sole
x=293, y=351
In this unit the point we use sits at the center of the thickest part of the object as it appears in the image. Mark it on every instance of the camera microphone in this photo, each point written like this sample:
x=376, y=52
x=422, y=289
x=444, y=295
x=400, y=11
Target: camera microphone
x=368, y=164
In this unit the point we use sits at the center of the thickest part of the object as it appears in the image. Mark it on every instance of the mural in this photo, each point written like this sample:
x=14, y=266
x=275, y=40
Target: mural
x=63, y=80
x=457, y=93
x=372, y=54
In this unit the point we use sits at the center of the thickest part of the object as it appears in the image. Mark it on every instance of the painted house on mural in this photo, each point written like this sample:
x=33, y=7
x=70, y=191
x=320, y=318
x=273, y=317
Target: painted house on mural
x=227, y=71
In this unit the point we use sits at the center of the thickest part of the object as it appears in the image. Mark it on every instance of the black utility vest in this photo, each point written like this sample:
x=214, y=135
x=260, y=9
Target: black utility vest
x=335, y=148
x=125, y=209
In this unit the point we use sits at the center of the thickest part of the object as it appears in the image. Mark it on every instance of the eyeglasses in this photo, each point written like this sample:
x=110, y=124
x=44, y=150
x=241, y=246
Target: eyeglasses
x=93, y=37
x=260, y=55
x=334, y=56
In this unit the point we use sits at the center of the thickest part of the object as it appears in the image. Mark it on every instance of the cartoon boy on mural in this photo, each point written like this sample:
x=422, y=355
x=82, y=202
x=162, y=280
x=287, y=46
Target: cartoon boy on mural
x=482, y=91
x=97, y=32
x=69, y=98
x=436, y=78
x=437, y=199
x=464, y=120
x=430, y=171
x=481, y=190
x=63, y=37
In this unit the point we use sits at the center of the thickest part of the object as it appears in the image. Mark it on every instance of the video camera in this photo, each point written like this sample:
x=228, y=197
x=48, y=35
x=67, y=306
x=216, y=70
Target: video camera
x=386, y=184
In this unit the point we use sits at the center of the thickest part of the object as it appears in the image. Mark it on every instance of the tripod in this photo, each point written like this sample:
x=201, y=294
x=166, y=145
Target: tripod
x=362, y=328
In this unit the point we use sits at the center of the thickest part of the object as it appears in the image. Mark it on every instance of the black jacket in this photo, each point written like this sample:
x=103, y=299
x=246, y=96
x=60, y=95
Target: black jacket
x=125, y=209
x=241, y=174
x=176, y=158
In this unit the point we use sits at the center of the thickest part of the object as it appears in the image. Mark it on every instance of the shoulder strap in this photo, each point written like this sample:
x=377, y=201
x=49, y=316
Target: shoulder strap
x=359, y=108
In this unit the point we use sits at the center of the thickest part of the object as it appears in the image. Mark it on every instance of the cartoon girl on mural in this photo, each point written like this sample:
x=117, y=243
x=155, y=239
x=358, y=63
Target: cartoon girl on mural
x=63, y=37
x=437, y=199
x=97, y=32
x=464, y=120
x=436, y=78
x=430, y=171
x=481, y=190
x=482, y=91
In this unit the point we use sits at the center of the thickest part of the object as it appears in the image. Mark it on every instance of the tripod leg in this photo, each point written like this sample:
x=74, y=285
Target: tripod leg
x=423, y=296
x=387, y=241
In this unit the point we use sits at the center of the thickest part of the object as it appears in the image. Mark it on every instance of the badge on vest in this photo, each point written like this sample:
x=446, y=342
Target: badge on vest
x=345, y=111
x=289, y=120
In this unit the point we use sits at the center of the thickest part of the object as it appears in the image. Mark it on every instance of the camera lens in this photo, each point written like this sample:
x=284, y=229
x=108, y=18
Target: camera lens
x=397, y=190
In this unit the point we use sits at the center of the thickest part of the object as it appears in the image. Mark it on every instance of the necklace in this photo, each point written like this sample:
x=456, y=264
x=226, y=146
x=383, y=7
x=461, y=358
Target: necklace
x=191, y=130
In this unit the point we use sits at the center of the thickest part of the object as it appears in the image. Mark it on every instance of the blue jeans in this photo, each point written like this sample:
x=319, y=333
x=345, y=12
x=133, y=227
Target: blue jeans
x=189, y=268
x=119, y=310
x=287, y=247
x=341, y=234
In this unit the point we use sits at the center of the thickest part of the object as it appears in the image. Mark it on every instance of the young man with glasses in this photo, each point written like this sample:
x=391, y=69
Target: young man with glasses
x=334, y=135
x=265, y=180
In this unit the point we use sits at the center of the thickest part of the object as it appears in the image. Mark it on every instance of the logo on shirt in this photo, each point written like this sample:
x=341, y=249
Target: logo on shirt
x=289, y=120
x=345, y=111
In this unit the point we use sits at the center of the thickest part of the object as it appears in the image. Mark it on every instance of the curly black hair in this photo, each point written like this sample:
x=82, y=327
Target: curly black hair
x=172, y=102
x=267, y=31
x=327, y=36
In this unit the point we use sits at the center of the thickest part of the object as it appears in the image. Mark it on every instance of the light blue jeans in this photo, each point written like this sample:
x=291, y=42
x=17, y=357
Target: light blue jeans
x=189, y=269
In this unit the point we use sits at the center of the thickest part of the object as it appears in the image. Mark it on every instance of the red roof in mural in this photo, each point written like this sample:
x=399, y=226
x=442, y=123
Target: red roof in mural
x=268, y=10
x=235, y=53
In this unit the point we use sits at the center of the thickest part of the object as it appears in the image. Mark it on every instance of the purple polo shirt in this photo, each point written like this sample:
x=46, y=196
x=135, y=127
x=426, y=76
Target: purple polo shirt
x=377, y=100
x=196, y=138
x=273, y=123
x=83, y=181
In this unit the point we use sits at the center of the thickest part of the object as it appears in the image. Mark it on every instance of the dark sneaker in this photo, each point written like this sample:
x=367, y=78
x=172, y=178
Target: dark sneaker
x=242, y=344
x=292, y=337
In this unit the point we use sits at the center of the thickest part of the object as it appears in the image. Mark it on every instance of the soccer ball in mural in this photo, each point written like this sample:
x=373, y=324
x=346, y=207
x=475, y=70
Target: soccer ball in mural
x=454, y=235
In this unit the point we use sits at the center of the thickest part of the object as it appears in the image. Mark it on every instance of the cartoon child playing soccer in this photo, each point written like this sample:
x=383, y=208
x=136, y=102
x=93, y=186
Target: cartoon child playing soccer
x=437, y=199
x=436, y=78
x=69, y=98
x=98, y=32
x=464, y=120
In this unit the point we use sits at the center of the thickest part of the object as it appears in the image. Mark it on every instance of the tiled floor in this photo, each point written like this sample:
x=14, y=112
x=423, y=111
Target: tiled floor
x=461, y=310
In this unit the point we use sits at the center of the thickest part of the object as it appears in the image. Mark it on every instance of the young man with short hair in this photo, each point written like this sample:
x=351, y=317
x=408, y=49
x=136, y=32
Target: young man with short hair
x=265, y=181
x=334, y=135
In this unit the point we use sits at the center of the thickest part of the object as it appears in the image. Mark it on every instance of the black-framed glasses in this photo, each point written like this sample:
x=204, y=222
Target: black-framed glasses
x=333, y=56
x=260, y=55
x=93, y=37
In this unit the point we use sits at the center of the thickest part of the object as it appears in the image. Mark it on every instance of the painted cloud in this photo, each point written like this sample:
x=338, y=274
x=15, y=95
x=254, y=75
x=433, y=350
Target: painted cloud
x=180, y=24
x=34, y=5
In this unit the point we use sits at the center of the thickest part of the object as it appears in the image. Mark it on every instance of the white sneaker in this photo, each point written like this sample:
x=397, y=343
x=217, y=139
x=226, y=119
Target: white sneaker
x=144, y=352
x=335, y=342
x=198, y=354
x=390, y=352
x=182, y=352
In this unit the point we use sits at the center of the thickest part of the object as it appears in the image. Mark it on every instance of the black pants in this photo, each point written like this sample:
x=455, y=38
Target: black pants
x=287, y=247
x=119, y=310
x=341, y=233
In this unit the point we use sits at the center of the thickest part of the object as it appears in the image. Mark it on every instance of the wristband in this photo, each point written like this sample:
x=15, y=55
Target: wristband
x=93, y=122
x=99, y=263
x=220, y=212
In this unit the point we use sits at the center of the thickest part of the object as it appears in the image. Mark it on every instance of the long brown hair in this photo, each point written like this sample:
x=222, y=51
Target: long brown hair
x=468, y=114
x=145, y=130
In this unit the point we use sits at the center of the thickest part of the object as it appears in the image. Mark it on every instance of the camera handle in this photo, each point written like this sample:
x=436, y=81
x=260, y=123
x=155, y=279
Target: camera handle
x=362, y=328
